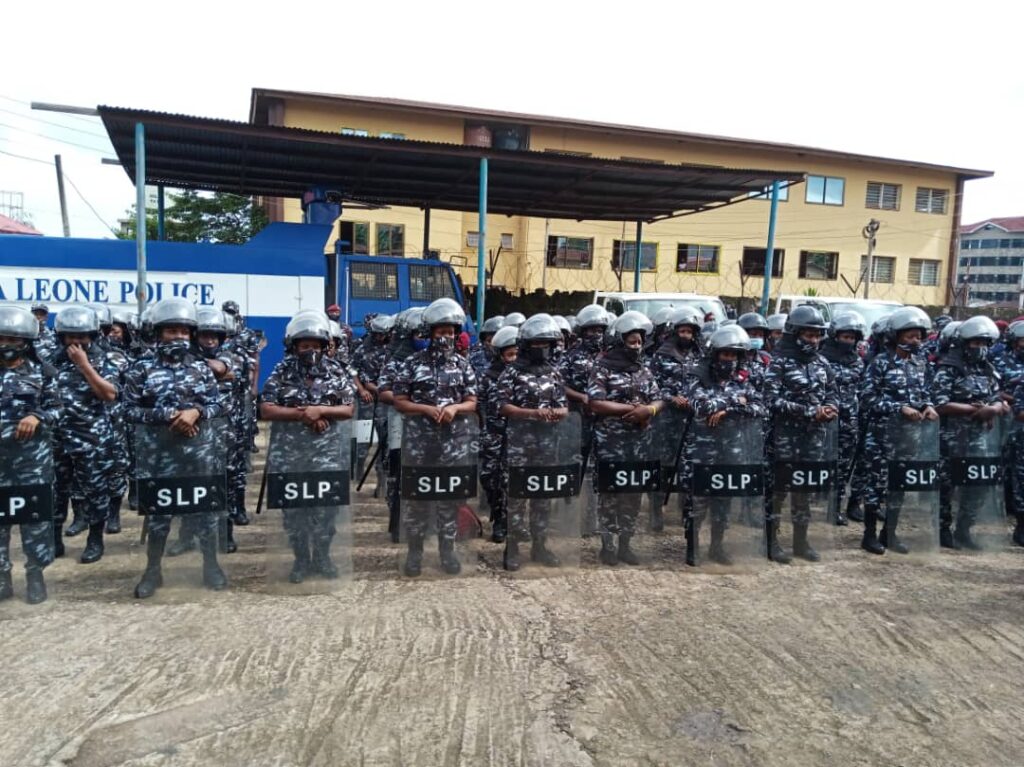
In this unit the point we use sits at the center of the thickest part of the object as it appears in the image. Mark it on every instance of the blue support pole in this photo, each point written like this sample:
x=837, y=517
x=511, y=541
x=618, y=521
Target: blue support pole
x=160, y=212
x=481, y=255
x=140, y=216
x=639, y=249
x=769, y=256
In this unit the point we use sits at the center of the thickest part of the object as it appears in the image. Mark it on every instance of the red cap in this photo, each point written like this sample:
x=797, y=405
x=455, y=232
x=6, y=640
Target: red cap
x=334, y=307
x=463, y=343
x=1002, y=324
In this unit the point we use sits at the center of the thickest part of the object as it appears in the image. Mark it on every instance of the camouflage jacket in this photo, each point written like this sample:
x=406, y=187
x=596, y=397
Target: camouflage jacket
x=795, y=386
x=672, y=366
x=430, y=377
x=155, y=388
x=290, y=384
x=29, y=389
x=47, y=345
x=371, y=362
x=889, y=383
x=576, y=365
x=957, y=380
x=520, y=387
x=82, y=411
x=629, y=388
x=1010, y=367
x=737, y=396
x=849, y=371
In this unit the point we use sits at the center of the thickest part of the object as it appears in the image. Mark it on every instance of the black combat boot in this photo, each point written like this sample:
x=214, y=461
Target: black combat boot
x=6, y=586
x=414, y=557
x=449, y=562
x=716, y=552
x=239, y=515
x=58, y=540
x=888, y=538
x=300, y=549
x=78, y=524
x=114, y=517
x=656, y=523
x=511, y=559
x=838, y=515
x=322, y=560
x=226, y=536
x=93, y=545
x=776, y=553
x=542, y=554
x=870, y=541
x=186, y=538
x=962, y=538
x=946, y=540
x=35, y=586
x=801, y=546
x=213, y=576
x=690, y=533
x=1018, y=531
x=152, y=578
x=626, y=554
x=608, y=555
x=853, y=510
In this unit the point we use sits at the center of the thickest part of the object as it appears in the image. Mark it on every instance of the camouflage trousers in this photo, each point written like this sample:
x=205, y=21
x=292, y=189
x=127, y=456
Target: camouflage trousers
x=312, y=526
x=617, y=513
x=799, y=505
x=873, y=461
x=849, y=437
x=202, y=525
x=494, y=477
x=422, y=516
x=120, y=462
x=36, y=543
x=535, y=512
x=394, y=495
x=860, y=474
x=968, y=500
x=82, y=474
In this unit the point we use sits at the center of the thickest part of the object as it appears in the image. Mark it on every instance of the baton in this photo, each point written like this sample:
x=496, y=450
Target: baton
x=263, y=487
x=369, y=466
x=679, y=455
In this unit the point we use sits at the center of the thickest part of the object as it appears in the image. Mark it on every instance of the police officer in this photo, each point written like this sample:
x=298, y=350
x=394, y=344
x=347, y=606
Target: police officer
x=439, y=384
x=367, y=373
x=251, y=343
x=46, y=343
x=966, y=385
x=481, y=353
x=799, y=388
x=176, y=388
x=302, y=388
x=845, y=332
x=624, y=397
x=720, y=388
x=531, y=388
x=895, y=385
x=757, y=358
x=87, y=383
x=28, y=398
x=493, y=466
x=776, y=326
x=120, y=336
x=514, y=320
x=566, y=340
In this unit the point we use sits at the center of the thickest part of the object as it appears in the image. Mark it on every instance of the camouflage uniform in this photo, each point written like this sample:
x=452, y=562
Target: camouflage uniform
x=615, y=438
x=480, y=358
x=46, y=345
x=117, y=480
x=533, y=387
x=368, y=369
x=432, y=377
x=493, y=466
x=849, y=370
x=28, y=389
x=1010, y=366
x=155, y=388
x=292, y=384
x=83, y=440
x=957, y=380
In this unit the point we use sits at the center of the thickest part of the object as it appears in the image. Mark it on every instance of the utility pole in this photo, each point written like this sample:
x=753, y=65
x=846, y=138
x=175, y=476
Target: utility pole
x=869, y=233
x=63, y=199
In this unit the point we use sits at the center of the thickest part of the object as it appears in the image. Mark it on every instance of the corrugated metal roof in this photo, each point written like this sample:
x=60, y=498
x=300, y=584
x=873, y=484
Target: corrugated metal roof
x=188, y=152
x=10, y=226
x=1007, y=224
x=259, y=96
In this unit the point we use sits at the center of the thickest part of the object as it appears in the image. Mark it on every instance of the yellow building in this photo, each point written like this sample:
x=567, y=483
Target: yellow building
x=819, y=235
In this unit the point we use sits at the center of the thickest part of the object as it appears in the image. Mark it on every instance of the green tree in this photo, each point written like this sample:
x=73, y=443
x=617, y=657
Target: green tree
x=194, y=217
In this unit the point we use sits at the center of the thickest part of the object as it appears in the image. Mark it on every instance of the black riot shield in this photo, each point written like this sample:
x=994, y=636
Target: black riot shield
x=543, y=460
x=185, y=478
x=670, y=433
x=911, y=510
x=438, y=484
x=308, y=480
x=804, y=482
x=26, y=478
x=975, y=471
x=727, y=482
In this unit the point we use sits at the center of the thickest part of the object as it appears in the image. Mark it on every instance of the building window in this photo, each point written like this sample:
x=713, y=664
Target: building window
x=825, y=190
x=390, y=240
x=507, y=241
x=884, y=270
x=429, y=283
x=389, y=134
x=355, y=132
x=570, y=252
x=754, y=258
x=370, y=280
x=924, y=271
x=647, y=160
x=818, y=265
x=931, y=200
x=883, y=196
x=766, y=193
x=473, y=240
x=356, y=234
x=624, y=256
x=697, y=259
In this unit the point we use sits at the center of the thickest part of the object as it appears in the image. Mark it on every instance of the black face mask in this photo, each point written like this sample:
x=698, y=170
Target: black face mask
x=592, y=343
x=975, y=354
x=538, y=354
x=443, y=344
x=10, y=352
x=911, y=347
x=634, y=354
x=310, y=358
x=806, y=347
x=209, y=352
x=684, y=343
x=846, y=347
x=174, y=351
x=726, y=369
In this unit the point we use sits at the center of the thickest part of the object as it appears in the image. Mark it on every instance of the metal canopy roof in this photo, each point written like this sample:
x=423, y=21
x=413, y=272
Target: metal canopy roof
x=189, y=152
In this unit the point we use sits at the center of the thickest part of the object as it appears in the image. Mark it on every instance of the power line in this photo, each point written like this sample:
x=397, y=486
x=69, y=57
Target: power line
x=51, y=122
x=51, y=138
x=23, y=157
x=29, y=104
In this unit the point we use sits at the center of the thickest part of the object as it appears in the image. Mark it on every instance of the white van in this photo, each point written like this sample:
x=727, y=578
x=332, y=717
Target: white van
x=870, y=309
x=651, y=303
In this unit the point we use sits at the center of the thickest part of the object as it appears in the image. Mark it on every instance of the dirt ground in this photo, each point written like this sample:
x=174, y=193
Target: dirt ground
x=855, y=661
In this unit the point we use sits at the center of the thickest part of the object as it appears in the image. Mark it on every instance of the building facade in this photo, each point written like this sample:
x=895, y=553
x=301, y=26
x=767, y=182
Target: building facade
x=819, y=244
x=991, y=265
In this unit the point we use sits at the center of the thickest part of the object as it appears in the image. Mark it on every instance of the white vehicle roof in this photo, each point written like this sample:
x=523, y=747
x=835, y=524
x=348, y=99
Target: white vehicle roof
x=657, y=296
x=837, y=299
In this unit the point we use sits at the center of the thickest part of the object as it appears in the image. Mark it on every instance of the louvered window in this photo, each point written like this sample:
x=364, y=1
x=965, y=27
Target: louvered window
x=883, y=196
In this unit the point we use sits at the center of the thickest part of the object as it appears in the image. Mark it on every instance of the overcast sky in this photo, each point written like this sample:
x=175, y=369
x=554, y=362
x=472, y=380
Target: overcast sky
x=936, y=82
